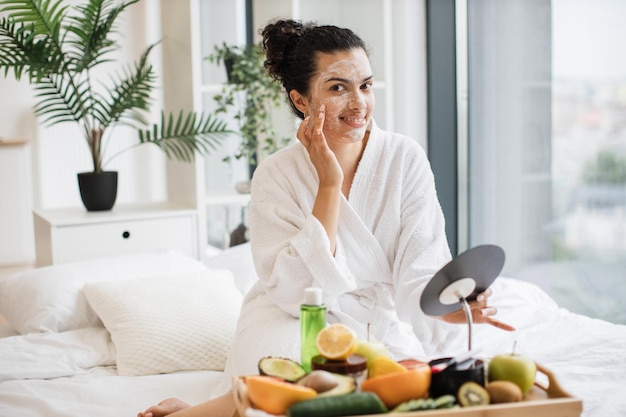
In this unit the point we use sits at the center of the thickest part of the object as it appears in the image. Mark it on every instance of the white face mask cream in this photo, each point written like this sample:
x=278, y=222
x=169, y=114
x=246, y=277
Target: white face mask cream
x=344, y=87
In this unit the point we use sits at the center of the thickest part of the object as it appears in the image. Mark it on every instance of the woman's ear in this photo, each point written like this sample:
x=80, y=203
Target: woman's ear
x=300, y=102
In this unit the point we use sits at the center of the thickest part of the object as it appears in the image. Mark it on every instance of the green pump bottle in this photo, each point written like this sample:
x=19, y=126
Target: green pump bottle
x=312, y=320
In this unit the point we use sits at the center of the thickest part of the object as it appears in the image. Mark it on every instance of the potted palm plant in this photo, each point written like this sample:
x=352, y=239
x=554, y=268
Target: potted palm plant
x=250, y=95
x=57, y=45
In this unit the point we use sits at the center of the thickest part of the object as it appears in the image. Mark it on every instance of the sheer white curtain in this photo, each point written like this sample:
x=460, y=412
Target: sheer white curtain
x=547, y=145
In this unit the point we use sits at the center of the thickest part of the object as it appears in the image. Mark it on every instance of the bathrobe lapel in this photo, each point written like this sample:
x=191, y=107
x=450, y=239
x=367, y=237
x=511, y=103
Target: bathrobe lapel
x=360, y=249
x=363, y=251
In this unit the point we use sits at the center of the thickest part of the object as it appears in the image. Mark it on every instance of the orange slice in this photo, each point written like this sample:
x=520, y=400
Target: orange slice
x=275, y=396
x=336, y=342
x=383, y=365
x=397, y=387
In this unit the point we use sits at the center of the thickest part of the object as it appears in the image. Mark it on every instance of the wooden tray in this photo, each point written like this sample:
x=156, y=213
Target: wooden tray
x=548, y=400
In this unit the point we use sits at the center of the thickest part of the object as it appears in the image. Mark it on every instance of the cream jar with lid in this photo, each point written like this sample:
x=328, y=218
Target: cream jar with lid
x=355, y=366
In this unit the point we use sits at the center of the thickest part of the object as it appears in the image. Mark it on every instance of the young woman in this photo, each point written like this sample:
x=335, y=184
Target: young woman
x=350, y=208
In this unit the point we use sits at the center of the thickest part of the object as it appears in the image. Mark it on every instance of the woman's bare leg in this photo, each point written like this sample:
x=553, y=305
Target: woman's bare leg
x=223, y=406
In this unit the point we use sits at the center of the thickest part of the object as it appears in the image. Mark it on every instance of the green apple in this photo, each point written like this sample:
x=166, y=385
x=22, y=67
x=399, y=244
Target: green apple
x=371, y=350
x=513, y=367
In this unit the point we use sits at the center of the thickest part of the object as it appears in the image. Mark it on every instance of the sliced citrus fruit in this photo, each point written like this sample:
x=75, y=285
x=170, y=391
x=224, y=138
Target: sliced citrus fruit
x=275, y=396
x=383, y=365
x=336, y=342
x=397, y=387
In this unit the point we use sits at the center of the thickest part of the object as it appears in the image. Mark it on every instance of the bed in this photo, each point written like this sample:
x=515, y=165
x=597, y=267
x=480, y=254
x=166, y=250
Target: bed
x=111, y=336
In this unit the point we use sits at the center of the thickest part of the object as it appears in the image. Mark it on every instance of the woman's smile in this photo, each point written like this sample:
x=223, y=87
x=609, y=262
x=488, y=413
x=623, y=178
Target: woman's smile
x=355, y=122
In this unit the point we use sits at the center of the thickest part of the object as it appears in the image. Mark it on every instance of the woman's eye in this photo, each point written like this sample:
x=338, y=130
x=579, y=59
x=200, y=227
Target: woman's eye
x=338, y=87
x=366, y=86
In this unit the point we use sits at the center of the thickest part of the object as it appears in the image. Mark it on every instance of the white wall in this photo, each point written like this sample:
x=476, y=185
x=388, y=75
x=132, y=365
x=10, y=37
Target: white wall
x=16, y=225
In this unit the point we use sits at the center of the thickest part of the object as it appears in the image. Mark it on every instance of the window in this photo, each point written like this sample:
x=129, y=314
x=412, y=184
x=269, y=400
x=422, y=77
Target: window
x=547, y=145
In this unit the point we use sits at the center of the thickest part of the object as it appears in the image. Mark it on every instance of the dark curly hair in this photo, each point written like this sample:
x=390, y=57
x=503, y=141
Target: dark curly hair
x=290, y=48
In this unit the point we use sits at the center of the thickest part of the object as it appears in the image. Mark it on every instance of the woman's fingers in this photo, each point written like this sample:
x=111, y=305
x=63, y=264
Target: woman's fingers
x=485, y=312
x=488, y=311
x=484, y=315
x=304, y=132
x=500, y=325
x=311, y=135
x=311, y=130
x=481, y=312
x=483, y=296
x=318, y=122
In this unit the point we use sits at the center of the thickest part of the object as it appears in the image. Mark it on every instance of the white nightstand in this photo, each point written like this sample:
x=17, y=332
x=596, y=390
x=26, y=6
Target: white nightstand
x=72, y=234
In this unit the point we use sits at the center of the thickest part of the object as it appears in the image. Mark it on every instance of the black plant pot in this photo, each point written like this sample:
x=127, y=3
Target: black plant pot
x=252, y=168
x=98, y=190
x=228, y=63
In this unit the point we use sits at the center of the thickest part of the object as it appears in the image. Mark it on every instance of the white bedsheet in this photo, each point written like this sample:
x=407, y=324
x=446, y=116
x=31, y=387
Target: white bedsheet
x=72, y=374
x=101, y=393
x=54, y=355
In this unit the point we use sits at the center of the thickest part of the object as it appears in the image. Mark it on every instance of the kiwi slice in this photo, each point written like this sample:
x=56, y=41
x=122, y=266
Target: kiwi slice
x=284, y=368
x=471, y=394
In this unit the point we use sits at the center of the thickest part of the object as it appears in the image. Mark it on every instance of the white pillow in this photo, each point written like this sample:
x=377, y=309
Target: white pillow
x=49, y=299
x=237, y=259
x=164, y=325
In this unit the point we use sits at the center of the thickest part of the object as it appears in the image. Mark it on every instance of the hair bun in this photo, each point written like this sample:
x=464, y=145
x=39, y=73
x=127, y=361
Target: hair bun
x=279, y=38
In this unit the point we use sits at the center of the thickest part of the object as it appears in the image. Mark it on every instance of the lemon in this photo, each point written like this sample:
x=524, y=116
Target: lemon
x=336, y=342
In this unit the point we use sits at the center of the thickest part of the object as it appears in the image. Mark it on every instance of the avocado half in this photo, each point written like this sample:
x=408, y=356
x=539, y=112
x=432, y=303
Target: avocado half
x=346, y=384
x=283, y=368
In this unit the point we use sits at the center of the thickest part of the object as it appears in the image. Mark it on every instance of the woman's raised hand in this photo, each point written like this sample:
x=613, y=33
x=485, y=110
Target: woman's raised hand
x=311, y=135
x=481, y=313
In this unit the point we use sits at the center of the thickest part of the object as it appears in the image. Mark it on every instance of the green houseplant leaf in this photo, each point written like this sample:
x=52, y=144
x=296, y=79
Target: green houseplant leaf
x=180, y=137
x=250, y=95
x=57, y=45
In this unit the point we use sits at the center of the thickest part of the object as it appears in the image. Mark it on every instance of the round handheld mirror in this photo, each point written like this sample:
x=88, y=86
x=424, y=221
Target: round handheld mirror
x=467, y=275
x=460, y=280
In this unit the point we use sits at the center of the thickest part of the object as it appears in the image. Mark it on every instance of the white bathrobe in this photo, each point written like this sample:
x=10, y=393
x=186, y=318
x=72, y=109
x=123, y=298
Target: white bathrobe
x=391, y=240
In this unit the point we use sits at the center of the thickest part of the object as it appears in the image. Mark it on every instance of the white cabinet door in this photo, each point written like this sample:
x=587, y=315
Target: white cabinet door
x=107, y=239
